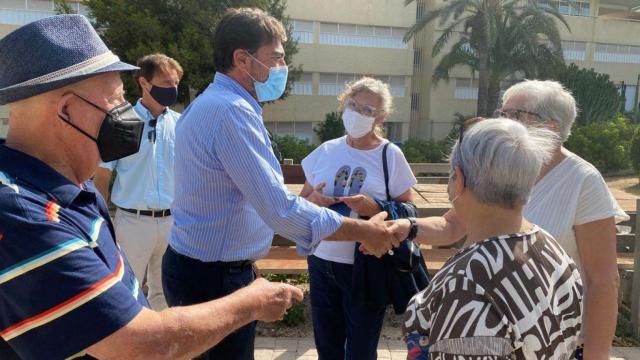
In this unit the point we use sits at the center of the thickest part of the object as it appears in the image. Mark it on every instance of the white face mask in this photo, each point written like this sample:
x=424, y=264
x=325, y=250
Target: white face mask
x=356, y=124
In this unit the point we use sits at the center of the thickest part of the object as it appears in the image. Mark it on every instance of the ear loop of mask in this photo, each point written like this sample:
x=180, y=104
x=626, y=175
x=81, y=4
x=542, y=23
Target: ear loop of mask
x=68, y=121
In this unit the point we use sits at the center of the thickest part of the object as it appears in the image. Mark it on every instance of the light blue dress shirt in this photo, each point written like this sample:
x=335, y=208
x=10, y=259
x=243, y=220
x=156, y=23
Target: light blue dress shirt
x=230, y=193
x=145, y=179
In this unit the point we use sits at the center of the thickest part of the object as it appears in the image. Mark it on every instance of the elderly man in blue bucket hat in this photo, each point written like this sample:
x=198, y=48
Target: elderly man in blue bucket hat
x=66, y=290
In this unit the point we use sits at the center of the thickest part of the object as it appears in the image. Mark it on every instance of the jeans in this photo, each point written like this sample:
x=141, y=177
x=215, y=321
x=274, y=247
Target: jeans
x=188, y=281
x=342, y=329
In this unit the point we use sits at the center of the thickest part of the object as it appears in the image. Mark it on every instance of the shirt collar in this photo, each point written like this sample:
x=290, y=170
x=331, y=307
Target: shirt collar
x=145, y=114
x=38, y=174
x=224, y=81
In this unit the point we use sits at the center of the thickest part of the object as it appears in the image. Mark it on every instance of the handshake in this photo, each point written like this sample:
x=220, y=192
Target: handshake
x=376, y=235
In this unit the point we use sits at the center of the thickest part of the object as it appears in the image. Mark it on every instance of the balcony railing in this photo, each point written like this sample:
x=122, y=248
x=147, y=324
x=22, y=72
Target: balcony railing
x=22, y=17
x=362, y=41
x=303, y=37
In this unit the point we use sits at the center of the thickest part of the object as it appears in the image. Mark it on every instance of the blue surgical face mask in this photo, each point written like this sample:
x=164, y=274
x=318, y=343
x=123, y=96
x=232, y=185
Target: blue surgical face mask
x=272, y=88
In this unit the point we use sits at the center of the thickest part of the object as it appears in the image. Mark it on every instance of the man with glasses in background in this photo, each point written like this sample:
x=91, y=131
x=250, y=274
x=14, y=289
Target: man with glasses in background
x=143, y=187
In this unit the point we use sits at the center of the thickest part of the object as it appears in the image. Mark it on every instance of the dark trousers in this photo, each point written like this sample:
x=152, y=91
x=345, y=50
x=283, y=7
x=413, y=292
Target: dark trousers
x=188, y=281
x=341, y=328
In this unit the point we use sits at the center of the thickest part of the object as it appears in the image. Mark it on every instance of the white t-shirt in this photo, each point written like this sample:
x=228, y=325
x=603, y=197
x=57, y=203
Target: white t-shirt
x=572, y=193
x=349, y=171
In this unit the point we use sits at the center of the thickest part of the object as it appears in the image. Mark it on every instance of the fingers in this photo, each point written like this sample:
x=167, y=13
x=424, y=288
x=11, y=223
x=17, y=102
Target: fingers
x=379, y=217
x=296, y=293
x=320, y=187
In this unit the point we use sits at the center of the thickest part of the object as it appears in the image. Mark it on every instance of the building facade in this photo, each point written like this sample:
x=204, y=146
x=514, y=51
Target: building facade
x=340, y=41
x=603, y=35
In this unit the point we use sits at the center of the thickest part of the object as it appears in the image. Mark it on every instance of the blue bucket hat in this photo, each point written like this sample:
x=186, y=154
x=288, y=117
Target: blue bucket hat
x=51, y=53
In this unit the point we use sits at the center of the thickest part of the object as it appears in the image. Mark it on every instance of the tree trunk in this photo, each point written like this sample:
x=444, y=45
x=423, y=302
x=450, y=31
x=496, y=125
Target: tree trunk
x=483, y=66
x=494, y=96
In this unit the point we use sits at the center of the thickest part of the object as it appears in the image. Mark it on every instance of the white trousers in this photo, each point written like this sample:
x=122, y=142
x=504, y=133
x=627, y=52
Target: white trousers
x=143, y=240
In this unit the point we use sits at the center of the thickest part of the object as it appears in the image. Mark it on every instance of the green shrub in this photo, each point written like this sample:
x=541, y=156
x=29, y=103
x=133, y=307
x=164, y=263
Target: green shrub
x=426, y=151
x=330, y=128
x=604, y=144
x=293, y=148
x=634, y=150
x=294, y=316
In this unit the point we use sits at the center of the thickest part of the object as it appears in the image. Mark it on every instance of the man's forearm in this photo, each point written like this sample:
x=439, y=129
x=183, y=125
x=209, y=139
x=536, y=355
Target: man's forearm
x=192, y=330
x=599, y=322
x=180, y=332
x=351, y=229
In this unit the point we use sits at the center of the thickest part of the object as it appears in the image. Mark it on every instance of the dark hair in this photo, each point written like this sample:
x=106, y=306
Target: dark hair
x=150, y=64
x=244, y=28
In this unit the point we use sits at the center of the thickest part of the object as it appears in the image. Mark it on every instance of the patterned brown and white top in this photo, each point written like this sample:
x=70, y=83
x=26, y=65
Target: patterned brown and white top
x=515, y=296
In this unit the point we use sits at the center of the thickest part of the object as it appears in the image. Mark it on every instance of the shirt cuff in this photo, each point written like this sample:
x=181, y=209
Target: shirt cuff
x=326, y=224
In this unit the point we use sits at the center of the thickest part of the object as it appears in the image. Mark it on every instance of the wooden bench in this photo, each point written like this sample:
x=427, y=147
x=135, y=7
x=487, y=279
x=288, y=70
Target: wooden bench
x=285, y=260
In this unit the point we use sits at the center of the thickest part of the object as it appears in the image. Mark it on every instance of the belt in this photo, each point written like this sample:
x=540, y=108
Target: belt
x=152, y=213
x=222, y=264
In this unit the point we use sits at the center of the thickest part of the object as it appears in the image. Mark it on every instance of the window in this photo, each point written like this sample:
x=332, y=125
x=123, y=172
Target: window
x=415, y=101
x=46, y=5
x=466, y=89
x=298, y=129
x=393, y=131
x=574, y=50
x=303, y=31
x=334, y=84
x=304, y=85
x=613, y=53
x=417, y=57
x=362, y=36
x=629, y=97
x=419, y=11
x=568, y=7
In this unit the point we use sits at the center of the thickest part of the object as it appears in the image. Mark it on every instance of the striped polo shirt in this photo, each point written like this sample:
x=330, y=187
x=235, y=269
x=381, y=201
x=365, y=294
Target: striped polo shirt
x=64, y=283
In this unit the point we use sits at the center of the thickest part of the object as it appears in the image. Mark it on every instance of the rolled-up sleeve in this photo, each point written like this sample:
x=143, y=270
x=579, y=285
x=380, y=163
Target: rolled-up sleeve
x=247, y=158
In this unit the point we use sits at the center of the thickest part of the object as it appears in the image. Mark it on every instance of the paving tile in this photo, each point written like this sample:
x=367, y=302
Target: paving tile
x=307, y=348
x=284, y=355
x=398, y=355
x=263, y=354
x=265, y=342
x=397, y=345
x=288, y=344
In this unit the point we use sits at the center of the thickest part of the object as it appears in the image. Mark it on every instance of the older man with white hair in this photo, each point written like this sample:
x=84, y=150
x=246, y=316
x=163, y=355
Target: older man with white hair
x=512, y=291
x=570, y=200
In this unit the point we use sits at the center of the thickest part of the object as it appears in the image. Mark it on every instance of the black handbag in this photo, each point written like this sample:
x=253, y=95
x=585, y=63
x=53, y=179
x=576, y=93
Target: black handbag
x=407, y=257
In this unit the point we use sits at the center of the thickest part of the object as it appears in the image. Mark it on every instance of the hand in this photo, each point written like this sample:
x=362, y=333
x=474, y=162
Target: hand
x=362, y=204
x=318, y=198
x=378, y=240
x=400, y=228
x=272, y=299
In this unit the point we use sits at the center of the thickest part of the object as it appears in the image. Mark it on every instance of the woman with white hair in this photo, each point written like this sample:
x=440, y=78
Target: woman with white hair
x=512, y=291
x=570, y=200
x=346, y=174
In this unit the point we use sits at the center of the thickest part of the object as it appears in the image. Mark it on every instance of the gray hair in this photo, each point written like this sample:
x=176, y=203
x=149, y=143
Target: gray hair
x=371, y=85
x=549, y=99
x=501, y=160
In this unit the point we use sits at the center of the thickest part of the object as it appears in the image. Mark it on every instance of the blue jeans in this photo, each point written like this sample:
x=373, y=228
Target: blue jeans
x=188, y=281
x=342, y=329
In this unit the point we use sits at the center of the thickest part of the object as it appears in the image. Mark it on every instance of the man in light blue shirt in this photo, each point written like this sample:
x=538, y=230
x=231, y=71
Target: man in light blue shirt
x=144, y=185
x=230, y=193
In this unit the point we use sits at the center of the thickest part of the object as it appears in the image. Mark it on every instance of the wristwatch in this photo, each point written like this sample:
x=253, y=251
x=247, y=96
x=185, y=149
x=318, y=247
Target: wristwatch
x=413, y=231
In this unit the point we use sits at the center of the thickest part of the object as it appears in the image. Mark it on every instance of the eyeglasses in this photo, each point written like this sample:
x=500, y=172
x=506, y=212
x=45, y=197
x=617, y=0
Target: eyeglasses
x=516, y=114
x=151, y=135
x=366, y=110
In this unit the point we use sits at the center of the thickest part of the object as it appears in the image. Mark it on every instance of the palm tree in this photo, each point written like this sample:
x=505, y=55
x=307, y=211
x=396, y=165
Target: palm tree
x=498, y=38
